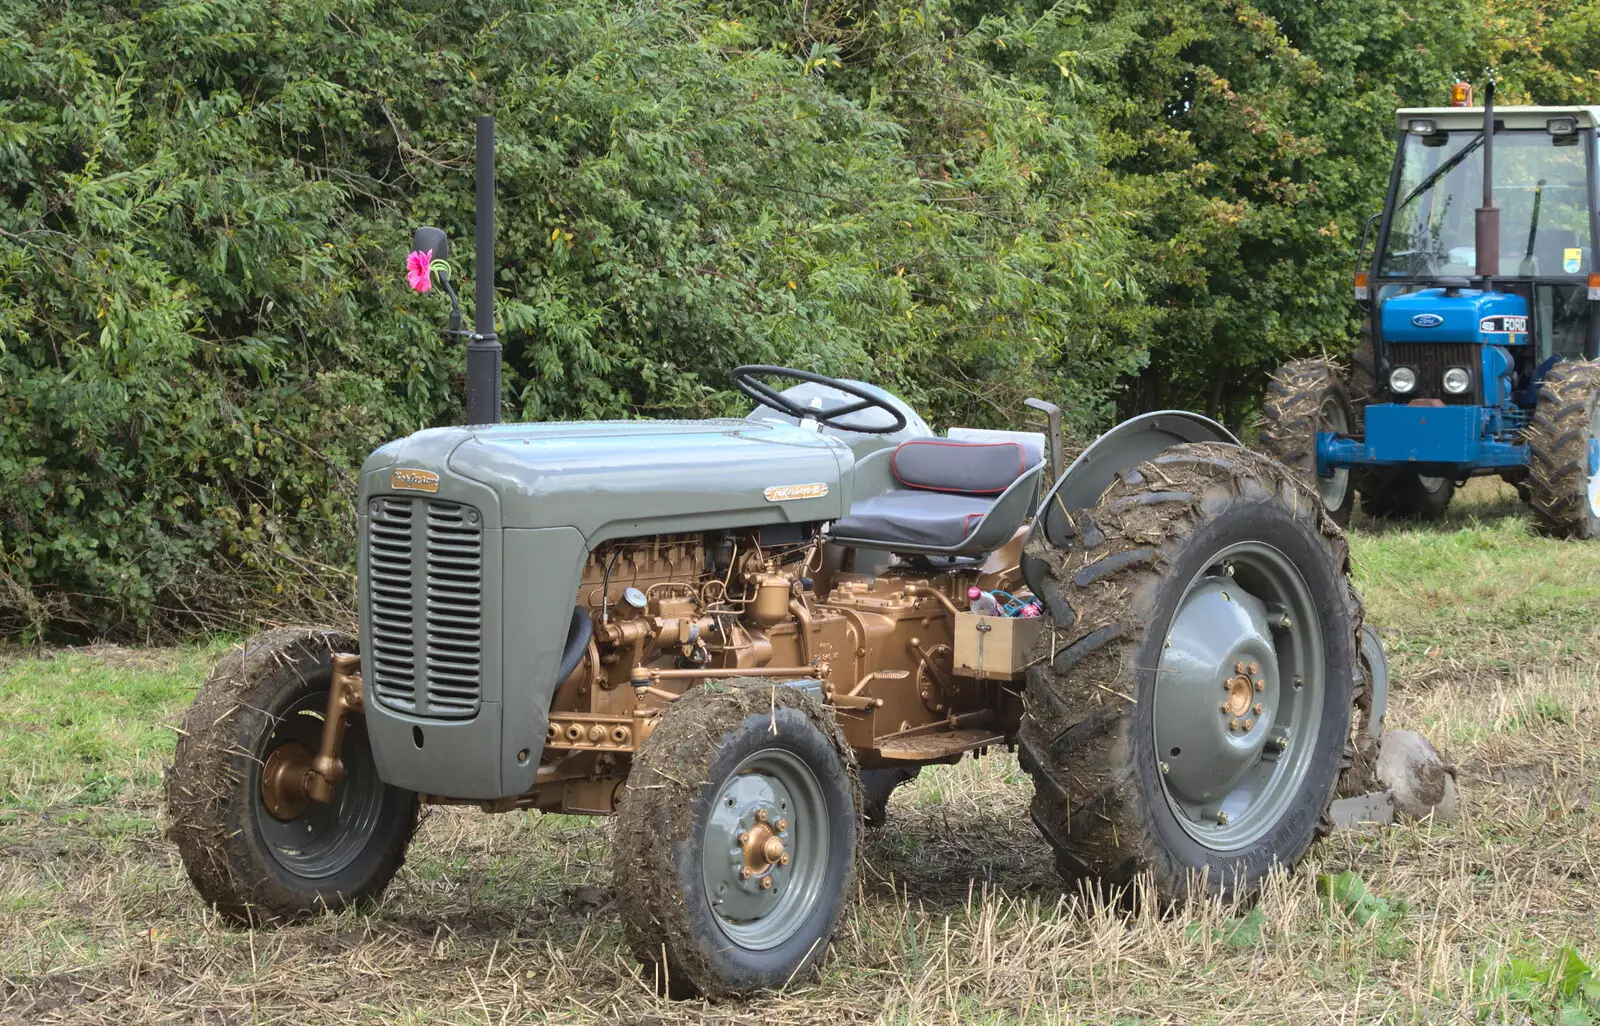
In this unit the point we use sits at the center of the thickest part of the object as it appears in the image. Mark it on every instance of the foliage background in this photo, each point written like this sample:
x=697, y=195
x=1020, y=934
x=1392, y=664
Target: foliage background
x=204, y=207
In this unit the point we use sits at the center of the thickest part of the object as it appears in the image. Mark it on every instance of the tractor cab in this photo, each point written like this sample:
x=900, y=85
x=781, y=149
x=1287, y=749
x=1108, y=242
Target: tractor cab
x=1483, y=323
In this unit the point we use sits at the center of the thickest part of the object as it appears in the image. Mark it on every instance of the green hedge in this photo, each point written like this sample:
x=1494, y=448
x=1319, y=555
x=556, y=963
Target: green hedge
x=205, y=206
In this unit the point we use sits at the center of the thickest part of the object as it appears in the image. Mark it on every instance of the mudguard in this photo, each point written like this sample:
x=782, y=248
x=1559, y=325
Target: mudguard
x=1128, y=444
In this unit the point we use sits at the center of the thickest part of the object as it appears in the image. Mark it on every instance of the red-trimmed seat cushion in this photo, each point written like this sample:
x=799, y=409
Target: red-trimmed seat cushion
x=962, y=468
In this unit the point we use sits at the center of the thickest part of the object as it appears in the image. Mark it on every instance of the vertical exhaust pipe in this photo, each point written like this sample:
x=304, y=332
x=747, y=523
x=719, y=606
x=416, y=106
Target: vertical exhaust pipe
x=1486, y=234
x=483, y=347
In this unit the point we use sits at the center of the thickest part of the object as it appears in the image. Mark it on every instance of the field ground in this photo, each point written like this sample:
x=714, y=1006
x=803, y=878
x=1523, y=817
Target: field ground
x=1494, y=637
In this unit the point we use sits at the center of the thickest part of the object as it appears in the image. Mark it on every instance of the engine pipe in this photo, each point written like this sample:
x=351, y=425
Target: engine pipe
x=1486, y=234
x=483, y=346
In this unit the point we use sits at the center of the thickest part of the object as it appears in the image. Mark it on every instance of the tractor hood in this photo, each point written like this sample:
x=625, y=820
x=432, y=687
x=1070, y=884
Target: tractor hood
x=1470, y=315
x=611, y=479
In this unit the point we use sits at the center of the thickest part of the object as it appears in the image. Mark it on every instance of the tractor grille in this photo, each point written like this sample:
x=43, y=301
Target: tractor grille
x=425, y=593
x=1430, y=360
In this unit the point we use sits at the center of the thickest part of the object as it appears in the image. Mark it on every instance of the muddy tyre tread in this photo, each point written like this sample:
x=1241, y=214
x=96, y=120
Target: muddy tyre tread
x=1557, y=439
x=213, y=754
x=1074, y=737
x=1289, y=419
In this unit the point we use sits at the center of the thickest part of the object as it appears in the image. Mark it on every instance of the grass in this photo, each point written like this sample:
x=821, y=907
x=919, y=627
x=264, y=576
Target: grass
x=1494, y=638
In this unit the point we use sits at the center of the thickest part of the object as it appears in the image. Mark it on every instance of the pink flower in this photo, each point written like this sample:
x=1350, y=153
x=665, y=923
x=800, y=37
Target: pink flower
x=417, y=266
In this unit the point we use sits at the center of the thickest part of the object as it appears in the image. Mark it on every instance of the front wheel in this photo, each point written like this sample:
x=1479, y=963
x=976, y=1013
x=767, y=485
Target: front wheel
x=1193, y=721
x=1564, y=452
x=255, y=847
x=736, y=839
x=1306, y=397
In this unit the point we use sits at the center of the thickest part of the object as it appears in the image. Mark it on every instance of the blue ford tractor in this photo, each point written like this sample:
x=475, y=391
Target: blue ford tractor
x=1478, y=353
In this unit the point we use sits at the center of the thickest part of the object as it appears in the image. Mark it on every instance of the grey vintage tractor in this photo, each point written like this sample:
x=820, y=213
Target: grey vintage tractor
x=738, y=635
x=1482, y=329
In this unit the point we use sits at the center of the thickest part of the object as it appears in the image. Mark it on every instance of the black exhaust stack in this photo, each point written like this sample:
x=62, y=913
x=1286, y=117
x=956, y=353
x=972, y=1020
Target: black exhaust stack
x=1486, y=234
x=483, y=346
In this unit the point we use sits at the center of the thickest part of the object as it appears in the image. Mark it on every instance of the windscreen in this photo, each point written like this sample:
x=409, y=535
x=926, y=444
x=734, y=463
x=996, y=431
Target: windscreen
x=1540, y=186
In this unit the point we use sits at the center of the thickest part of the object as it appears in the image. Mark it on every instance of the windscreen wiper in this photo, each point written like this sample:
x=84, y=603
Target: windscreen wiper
x=1441, y=170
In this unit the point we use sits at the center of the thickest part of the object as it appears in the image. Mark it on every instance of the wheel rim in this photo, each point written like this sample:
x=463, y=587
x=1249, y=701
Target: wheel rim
x=315, y=840
x=1239, y=693
x=1336, y=486
x=765, y=849
x=1432, y=485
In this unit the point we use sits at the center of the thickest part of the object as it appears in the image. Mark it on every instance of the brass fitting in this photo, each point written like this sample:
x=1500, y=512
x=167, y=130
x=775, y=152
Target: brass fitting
x=344, y=696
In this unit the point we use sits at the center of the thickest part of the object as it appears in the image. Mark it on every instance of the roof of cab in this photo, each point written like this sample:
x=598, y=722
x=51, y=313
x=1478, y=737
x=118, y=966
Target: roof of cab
x=1511, y=117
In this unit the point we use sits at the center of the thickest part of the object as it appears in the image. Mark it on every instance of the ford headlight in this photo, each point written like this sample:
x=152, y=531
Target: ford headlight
x=1402, y=380
x=1456, y=380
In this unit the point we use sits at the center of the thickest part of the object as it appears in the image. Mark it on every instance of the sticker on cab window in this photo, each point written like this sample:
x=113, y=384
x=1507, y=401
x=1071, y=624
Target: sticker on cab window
x=1572, y=260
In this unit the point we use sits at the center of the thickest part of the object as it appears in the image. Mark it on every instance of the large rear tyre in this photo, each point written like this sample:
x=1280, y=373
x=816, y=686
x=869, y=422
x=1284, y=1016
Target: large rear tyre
x=256, y=853
x=1305, y=397
x=1193, y=719
x=1405, y=495
x=1564, y=452
x=736, y=840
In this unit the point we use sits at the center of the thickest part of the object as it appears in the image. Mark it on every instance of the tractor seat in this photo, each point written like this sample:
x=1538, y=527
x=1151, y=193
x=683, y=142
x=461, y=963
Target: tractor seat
x=946, y=490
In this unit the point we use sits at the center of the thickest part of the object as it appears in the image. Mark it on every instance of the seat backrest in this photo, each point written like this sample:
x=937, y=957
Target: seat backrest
x=962, y=468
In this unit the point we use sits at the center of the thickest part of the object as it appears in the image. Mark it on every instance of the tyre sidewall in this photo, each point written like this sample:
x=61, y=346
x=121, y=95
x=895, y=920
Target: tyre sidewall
x=1265, y=521
x=742, y=968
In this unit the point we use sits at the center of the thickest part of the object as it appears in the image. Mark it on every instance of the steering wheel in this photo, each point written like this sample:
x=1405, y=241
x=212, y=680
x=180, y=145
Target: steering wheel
x=745, y=380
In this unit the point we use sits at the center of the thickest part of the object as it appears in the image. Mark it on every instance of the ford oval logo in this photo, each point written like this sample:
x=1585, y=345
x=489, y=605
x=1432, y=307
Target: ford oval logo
x=1427, y=320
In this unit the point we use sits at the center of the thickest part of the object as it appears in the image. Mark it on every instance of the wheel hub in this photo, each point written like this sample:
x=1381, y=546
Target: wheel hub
x=1219, y=679
x=752, y=873
x=283, y=781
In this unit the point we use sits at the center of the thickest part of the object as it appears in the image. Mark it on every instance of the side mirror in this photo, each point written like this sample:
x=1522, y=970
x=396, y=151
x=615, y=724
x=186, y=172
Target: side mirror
x=432, y=240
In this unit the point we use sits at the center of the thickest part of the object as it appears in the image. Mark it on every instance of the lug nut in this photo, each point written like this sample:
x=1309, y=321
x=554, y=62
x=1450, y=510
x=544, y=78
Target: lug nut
x=1248, y=724
x=744, y=873
x=1224, y=707
x=783, y=860
x=766, y=883
x=783, y=825
x=1227, y=568
x=1254, y=669
x=1237, y=668
x=1233, y=724
x=1256, y=708
x=1222, y=818
x=744, y=839
x=1165, y=769
x=1261, y=685
x=761, y=815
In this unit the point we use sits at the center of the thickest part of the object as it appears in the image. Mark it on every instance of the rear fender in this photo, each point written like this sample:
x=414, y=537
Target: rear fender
x=1127, y=445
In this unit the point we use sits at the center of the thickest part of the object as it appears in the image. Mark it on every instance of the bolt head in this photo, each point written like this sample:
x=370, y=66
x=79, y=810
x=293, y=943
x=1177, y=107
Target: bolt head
x=766, y=883
x=1256, y=708
x=1222, y=818
x=1287, y=623
x=1165, y=768
x=1227, y=568
x=1248, y=724
x=782, y=825
x=1261, y=685
x=744, y=873
x=1255, y=668
x=1233, y=724
x=761, y=815
x=744, y=838
x=783, y=860
x=1237, y=668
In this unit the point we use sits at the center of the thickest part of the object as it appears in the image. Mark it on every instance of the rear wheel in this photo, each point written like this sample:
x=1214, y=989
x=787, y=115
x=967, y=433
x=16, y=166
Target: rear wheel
x=1193, y=723
x=1564, y=452
x=260, y=851
x=1306, y=397
x=1405, y=494
x=735, y=840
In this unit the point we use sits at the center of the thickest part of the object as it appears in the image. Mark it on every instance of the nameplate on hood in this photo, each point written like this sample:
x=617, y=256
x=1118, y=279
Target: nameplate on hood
x=414, y=481
x=788, y=493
